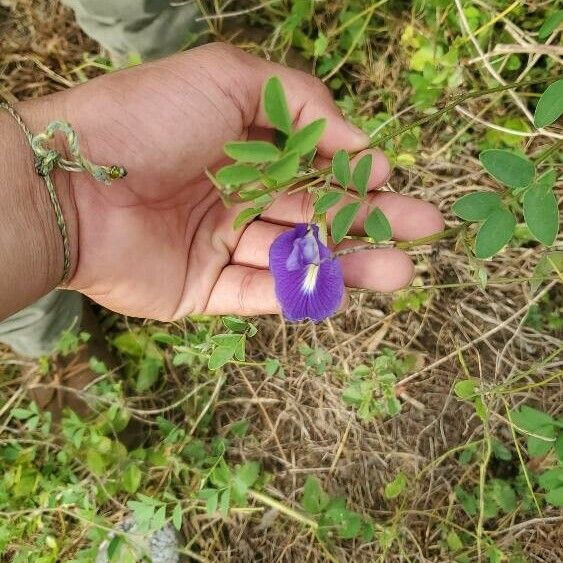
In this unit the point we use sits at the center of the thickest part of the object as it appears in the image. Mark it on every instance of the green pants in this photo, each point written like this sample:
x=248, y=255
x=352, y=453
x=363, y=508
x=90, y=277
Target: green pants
x=148, y=29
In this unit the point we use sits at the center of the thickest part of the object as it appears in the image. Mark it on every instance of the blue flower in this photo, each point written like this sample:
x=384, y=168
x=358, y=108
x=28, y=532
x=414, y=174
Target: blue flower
x=308, y=279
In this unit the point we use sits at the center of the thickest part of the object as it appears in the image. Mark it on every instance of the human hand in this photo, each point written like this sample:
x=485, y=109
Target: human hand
x=160, y=243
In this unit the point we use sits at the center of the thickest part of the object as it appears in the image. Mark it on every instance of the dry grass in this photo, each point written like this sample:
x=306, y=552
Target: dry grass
x=299, y=425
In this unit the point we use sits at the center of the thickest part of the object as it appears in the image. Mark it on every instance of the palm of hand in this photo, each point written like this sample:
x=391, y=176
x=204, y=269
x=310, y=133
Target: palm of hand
x=160, y=243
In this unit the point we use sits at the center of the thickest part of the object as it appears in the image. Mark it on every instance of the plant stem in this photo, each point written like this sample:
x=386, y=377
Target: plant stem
x=293, y=514
x=549, y=151
x=405, y=245
x=421, y=121
x=448, y=107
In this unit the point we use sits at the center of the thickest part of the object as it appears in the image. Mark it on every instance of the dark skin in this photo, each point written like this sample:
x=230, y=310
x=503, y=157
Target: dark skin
x=160, y=243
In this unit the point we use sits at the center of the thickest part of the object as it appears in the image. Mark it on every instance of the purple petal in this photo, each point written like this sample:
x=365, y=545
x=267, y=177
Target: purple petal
x=308, y=280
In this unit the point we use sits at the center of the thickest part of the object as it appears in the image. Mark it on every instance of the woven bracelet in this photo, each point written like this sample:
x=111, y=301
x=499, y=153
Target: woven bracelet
x=47, y=159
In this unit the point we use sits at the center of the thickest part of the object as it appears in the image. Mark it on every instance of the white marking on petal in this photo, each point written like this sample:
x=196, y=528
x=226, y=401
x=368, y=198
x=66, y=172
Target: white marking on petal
x=310, y=281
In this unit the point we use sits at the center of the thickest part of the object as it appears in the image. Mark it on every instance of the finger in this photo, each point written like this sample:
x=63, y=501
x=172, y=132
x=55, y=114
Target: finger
x=380, y=167
x=253, y=248
x=382, y=269
x=245, y=291
x=409, y=218
x=307, y=97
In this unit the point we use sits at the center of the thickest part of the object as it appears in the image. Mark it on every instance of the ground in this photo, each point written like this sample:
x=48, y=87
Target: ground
x=452, y=476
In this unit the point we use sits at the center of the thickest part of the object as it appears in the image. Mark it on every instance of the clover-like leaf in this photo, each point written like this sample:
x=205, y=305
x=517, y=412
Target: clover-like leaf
x=343, y=221
x=275, y=105
x=509, y=168
x=495, y=233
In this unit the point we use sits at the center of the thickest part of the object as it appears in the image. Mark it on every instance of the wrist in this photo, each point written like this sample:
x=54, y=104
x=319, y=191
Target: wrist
x=37, y=114
x=32, y=246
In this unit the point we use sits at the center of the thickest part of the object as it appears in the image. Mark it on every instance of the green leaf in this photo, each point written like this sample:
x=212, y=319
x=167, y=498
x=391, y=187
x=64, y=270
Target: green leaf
x=537, y=447
x=235, y=324
x=343, y=221
x=252, y=151
x=320, y=45
x=361, y=174
x=395, y=487
x=315, y=500
x=327, y=201
x=465, y=388
x=476, y=206
x=507, y=167
x=454, y=541
x=530, y=419
x=149, y=370
x=220, y=356
x=95, y=462
x=559, y=447
x=541, y=212
x=21, y=414
x=271, y=366
x=244, y=477
x=225, y=502
x=467, y=501
x=504, y=495
x=237, y=174
x=552, y=478
x=131, y=478
x=211, y=497
x=245, y=216
x=555, y=497
x=177, y=517
x=500, y=451
x=550, y=105
x=275, y=105
x=550, y=263
x=341, y=167
x=306, y=139
x=351, y=525
x=284, y=169
x=495, y=233
x=377, y=226
x=550, y=24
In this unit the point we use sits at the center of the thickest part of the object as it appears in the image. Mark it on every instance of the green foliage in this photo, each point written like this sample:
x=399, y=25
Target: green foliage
x=495, y=233
x=227, y=487
x=343, y=221
x=361, y=174
x=541, y=212
x=550, y=105
x=477, y=206
x=394, y=488
x=341, y=167
x=410, y=300
x=377, y=226
x=371, y=389
x=306, y=139
x=256, y=152
x=275, y=105
x=230, y=346
x=550, y=24
x=549, y=263
x=316, y=358
x=237, y=174
x=70, y=342
x=509, y=168
x=332, y=514
x=326, y=201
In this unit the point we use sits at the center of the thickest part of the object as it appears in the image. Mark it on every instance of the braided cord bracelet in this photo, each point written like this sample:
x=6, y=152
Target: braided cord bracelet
x=47, y=159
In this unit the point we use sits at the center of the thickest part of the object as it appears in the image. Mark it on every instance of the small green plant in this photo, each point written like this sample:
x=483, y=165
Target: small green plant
x=332, y=514
x=371, y=389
